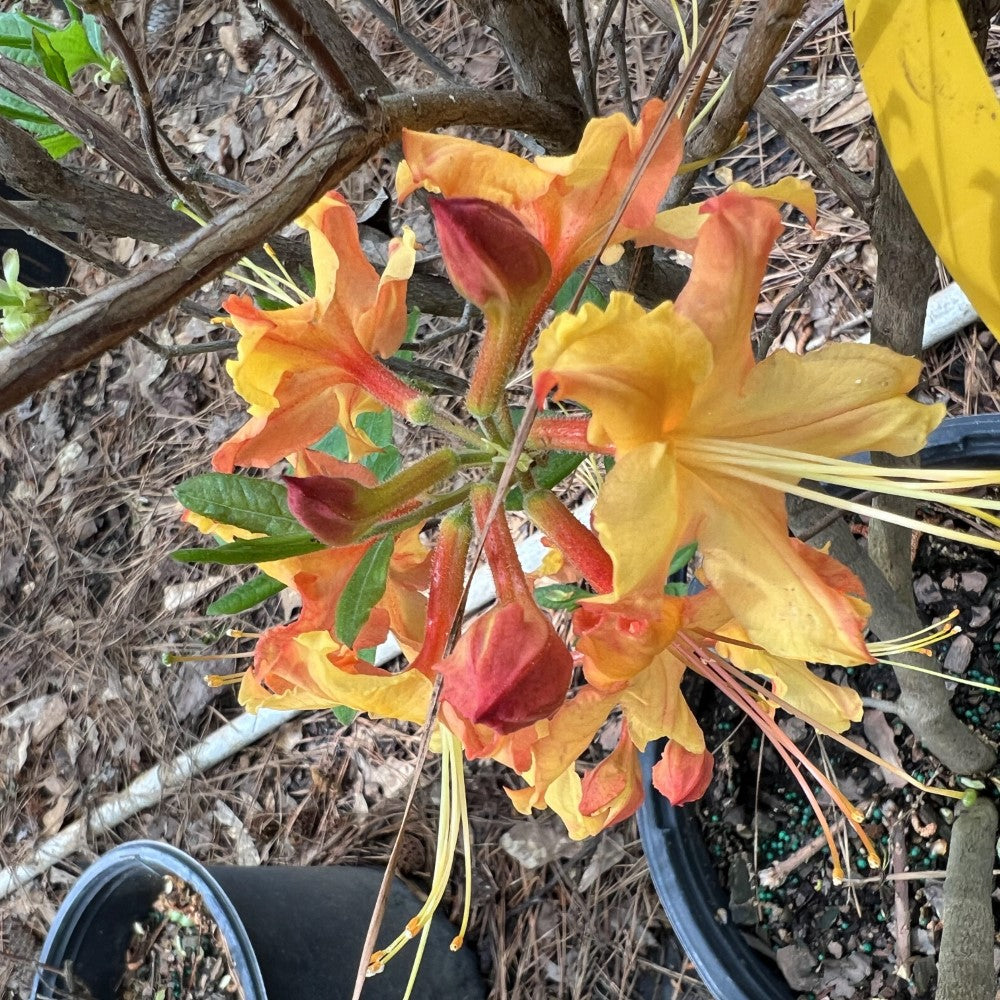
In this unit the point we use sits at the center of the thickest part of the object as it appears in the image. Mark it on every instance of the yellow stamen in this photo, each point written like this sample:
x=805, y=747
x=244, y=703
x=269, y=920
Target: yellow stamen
x=781, y=469
x=236, y=633
x=221, y=680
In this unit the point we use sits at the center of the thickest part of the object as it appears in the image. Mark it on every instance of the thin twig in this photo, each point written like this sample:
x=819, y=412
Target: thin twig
x=772, y=328
x=185, y=350
x=74, y=116
x=469, y=312
x=802, y=38
x=588, y=72
x=417, y=47
x=148, y=128
x=618, y=42
x=610, y=6
x=296, y=21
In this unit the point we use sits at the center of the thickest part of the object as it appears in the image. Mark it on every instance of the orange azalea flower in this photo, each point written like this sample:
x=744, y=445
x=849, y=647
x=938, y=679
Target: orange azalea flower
x=302, y=664
x=565, y=202
x=707, y=442
x=308, y=368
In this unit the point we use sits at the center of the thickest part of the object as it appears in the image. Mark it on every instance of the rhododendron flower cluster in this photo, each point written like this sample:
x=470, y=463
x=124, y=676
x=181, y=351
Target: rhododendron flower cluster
x=705, y=443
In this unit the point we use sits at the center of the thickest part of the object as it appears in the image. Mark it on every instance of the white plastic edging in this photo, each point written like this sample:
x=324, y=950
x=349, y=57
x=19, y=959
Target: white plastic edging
x=948, y=311
x=159, y=781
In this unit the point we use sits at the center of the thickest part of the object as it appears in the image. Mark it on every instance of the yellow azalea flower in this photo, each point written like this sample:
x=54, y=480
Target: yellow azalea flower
x=565, y=202
x=308, y=368
x=707, y=441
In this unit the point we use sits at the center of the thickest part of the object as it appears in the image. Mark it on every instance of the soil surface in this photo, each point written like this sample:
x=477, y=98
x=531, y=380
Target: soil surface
x=178, y=952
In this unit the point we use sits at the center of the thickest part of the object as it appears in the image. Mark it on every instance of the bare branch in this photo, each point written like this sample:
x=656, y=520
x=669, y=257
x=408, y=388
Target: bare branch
x=769, y=29
x=424, y=54
x=81, y=333
x=76, y=117
x=319, y=33
x=148, y=129
x=536, y=40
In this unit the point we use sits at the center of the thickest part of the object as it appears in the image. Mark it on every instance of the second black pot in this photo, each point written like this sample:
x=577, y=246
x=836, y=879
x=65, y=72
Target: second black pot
x=679, y=864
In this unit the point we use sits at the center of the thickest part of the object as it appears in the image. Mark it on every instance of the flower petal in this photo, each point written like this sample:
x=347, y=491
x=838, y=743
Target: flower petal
x=855, y=399
x=787, y=597
x=635, y=370
x=637, y=518
x=721, y=295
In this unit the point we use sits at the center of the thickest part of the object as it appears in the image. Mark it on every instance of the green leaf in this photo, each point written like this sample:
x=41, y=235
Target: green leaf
x=378, y=426
x=561, y=596
x=257, y=505
x=52, y=62
x=412, y=322
x=59, y=144
x=76, y=45
x=549, y=472
x=308, y=279
x=345, y=716
x=564, y=296
x=676, y=589
x=682, y=557
x=364, y=590
x=268, y=304
x=246, y=595
x=384, y=463
x=252, y=550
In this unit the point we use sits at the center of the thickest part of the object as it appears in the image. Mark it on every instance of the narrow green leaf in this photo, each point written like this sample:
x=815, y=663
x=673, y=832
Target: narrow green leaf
x=561, y=596
x=246, y=595
x=682, y=557
x=52, y=62
x=364, y=590
x=565, y=294
x=676, y=589
x=251, y=550
x=258, y=505
x=14, y=42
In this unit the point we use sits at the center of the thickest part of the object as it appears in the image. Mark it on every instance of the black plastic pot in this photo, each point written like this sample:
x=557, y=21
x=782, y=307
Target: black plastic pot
x=42, y=266
x=681, y=869
x=291, y=932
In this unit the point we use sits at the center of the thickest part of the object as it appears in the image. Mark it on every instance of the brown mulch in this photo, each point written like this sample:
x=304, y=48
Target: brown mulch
x=89, y=600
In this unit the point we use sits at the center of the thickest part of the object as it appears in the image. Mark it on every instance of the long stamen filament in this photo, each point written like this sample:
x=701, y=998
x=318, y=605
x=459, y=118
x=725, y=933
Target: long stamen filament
x=712, y=669
x=913, y=524
x=843, y=741
x=454, y=821
x=918, y=641
x=169, y=659
x=222, y=680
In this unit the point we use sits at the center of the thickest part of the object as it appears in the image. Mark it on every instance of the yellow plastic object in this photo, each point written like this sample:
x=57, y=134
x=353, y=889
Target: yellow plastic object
x=940, y=121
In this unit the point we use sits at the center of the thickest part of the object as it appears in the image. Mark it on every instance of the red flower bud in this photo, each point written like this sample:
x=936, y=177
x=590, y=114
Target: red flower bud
x=499, y=266
x=508, y=670
x=683, y=776
x=331, y=508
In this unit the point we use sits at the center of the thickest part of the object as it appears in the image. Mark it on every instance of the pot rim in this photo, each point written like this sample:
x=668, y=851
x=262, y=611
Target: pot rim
x=98, y=882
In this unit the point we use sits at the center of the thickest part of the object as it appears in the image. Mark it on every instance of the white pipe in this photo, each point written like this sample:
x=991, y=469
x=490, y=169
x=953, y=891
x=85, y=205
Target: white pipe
x=948, y=311
x=154, y=784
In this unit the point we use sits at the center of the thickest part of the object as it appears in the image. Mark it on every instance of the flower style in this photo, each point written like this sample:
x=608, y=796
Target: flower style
x=309, y=367
x=707, y=442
